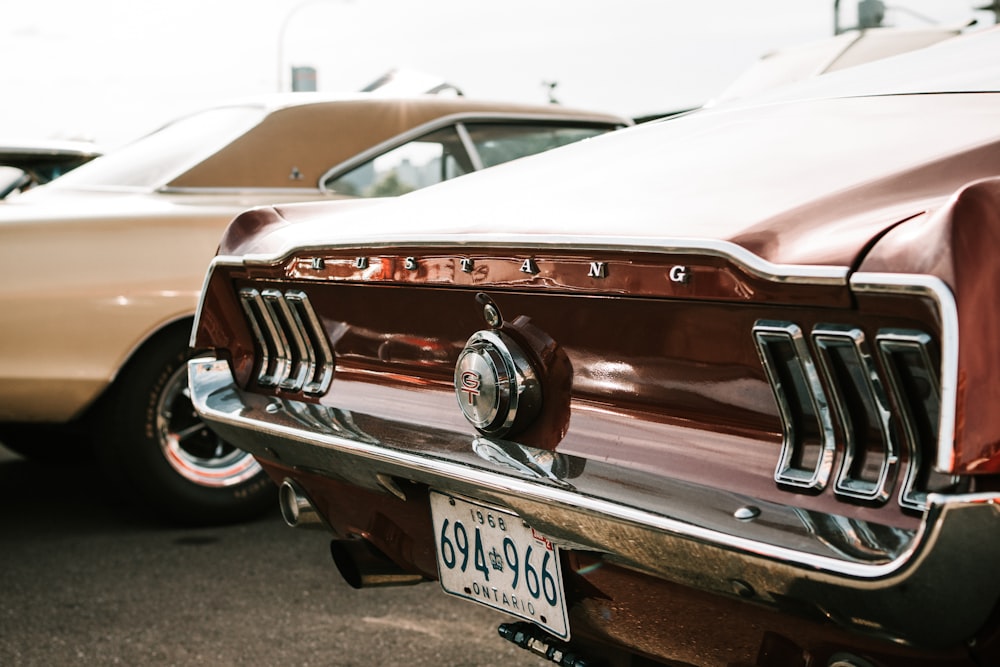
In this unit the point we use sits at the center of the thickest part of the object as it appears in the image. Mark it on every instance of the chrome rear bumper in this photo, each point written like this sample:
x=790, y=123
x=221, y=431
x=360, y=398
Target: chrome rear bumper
x=932, y=587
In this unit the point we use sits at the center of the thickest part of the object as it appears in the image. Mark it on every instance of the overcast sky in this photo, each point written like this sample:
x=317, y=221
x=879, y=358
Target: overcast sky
x=110, y=70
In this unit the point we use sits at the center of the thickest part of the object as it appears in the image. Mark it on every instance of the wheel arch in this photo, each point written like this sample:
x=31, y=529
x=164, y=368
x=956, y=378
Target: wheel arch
x=154, y=336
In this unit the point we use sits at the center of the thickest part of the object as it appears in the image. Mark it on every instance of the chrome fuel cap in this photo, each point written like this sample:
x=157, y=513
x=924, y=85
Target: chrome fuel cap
x=496, y=386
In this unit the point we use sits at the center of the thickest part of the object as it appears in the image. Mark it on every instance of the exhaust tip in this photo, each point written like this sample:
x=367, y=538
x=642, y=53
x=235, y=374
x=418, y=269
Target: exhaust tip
x=296, y=508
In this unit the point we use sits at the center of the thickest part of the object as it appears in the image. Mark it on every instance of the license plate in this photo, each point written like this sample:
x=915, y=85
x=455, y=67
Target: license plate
x=492, y=557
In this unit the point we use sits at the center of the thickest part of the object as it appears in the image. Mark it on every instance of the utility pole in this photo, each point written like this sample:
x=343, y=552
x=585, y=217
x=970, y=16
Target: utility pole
x=992, y=7
x=282, y=29
x=871, y=13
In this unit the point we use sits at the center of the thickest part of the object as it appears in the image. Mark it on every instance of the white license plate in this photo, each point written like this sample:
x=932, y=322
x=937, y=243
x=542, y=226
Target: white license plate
x=492, y=557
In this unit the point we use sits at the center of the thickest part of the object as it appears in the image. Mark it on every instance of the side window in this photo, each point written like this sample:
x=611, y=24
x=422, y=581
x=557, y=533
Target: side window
x=432, y=158
x=498, y=143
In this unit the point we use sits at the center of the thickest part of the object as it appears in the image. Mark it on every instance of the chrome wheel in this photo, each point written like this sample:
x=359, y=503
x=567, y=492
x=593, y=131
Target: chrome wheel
x=190, y=447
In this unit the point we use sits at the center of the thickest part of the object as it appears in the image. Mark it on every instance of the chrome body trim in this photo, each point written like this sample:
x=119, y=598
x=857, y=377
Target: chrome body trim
x=825, y=338
x=470, y=146
x=903, y=587
x=292, y=351
x=743, y=258
x=789, y=470
x=861, y=282
x=935, y=289
x=889, y=343
x=495, y=385
x=201, y=305
x=272, y=367
x=319, y=357
x=300, y=361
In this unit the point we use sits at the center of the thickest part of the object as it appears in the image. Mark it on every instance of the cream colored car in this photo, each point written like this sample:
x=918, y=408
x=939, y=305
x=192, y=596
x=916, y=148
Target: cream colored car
x=100, y=270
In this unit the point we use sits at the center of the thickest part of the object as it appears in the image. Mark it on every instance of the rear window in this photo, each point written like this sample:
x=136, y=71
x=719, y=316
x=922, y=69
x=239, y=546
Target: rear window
x=441, y=155
x=498, y=143
x=157, y=158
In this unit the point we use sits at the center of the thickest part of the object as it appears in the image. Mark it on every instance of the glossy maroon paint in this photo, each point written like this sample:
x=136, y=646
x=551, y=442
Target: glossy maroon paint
x=673, y=378
x=654, y=385
x=959, y=244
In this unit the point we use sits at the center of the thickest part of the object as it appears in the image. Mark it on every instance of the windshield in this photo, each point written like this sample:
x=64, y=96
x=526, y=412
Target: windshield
x=152, y=161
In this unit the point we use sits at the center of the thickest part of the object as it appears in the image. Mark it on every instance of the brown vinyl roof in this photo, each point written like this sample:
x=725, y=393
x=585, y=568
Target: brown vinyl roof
x=314, y=135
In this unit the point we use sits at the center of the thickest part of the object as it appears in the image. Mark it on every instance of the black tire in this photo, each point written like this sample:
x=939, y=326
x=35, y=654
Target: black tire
x=154, y=446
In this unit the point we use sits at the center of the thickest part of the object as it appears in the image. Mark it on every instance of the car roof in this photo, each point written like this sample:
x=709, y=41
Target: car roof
x=310, y=133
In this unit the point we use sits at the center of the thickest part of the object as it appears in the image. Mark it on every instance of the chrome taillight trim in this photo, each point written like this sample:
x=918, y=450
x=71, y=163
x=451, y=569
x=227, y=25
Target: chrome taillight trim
x=938, y=291
x=846, y=379
x=891, y=344
x=767, y=335
x=271, y=359
x=293, y=352
x=866, y=384
x=910, y=597
x=291, y=341
x=321, y=356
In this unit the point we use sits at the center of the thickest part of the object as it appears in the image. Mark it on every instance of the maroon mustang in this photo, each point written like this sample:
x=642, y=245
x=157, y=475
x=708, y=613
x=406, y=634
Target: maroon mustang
x=716, y=390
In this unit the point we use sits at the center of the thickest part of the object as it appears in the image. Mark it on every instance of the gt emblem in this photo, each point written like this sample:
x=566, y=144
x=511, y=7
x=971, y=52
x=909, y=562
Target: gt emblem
x=496, y=387
x=470, y=383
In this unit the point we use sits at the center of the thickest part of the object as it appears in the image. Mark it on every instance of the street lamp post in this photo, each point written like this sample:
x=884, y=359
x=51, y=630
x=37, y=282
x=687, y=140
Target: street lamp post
x=281, y=36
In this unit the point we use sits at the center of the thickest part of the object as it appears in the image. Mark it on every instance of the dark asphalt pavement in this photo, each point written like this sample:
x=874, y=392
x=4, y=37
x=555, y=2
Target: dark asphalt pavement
x=88, y=579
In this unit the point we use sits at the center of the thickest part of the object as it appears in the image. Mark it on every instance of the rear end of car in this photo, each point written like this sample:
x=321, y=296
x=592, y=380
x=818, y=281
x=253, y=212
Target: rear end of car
x=713, y=391
x=617, y=444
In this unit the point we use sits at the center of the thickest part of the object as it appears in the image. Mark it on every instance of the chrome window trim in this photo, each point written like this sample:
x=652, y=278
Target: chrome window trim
x=855, y=338
x=936, y=289
x=470, y=146
x=310, y=191
x=786, y=473
x=442, y=122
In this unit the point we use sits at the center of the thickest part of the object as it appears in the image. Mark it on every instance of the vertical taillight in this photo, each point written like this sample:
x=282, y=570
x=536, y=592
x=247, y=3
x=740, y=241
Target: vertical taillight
x=807, y=440
x=913, y=380
x=870, y=452
x=848, y=404
x=318, y=378
x=293, y=352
